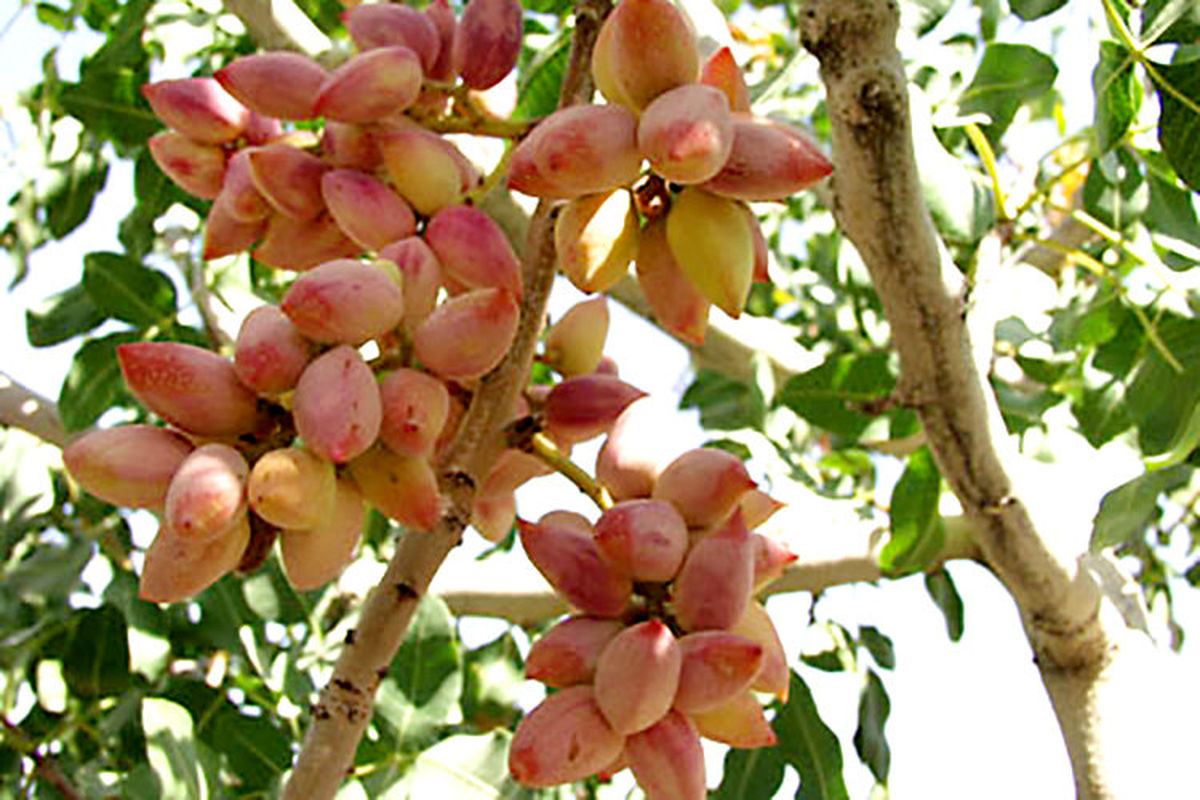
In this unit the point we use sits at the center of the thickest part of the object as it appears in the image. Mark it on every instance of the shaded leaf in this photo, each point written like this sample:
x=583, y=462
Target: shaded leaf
x=1127, y=510
x=1161, y=400
x=916, y=535
x=879, y=645
x=492, y=678
x=62, y=316
x=96, y=661
x=1179, y=122
x=257, y=750
x=750, y=774
x=93, y=382
x=1101, y=413
x=123, y=288
x=827, y=395
x=807, y=743
x=870, y=741
x=945, y=594
x=51, y=571
x=1116, y=192
x=1008, y=75
x=724, y=403
x=1171, y=21
x=1032, y=9
x=422, y=689
x=1118, y=95
x=68, y=201
x=1173, y=223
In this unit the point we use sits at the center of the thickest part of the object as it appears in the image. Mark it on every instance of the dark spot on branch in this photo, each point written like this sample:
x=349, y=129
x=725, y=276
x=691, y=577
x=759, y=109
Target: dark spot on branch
x=405, y=591
x=350, y=634
x=320, y=712
x=346, y=686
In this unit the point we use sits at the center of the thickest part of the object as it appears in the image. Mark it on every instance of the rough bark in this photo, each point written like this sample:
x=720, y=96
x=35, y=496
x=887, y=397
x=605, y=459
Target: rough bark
x=879, y=207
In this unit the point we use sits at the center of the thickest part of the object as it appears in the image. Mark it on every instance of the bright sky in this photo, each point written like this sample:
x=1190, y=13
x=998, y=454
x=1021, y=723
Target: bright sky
x=968, y=719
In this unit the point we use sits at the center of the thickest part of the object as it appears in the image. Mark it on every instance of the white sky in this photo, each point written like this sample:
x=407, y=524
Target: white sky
x=968, y=719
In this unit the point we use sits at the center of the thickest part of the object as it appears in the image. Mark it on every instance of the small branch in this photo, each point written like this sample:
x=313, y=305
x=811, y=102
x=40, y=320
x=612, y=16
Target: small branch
x=850, y=557
x=549, y=454
x=27, y=410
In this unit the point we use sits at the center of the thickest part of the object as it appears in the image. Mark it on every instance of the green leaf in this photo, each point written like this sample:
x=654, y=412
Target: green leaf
x=941, y=588
x=1127, y=510
x=962, y=206
x=1033, y=9
x=827, y=395
x=921, y=16
x=123, y=288
x=1171, y=21
x=1115, y=191
x=51, y=571
x=53, y=16
x=96, y=662
x=62, y=316
x=269, y=595
x=1118, y=95
x=107, y=99
x=155, y=193
x=256, y=749
x=915, y=524
x=1171, y=218
x=807, y=743
x=462, y=767
x=171, y=750
x=1179, y=122
x=1101, y=413
x=541, y=81
x=1161, y=400
x=753, y=774
x=421, y=692
x=724, y=403
x=493, y=676
x=879, y=645
x=93, y=382
x=68, y=201
x=1008, y=75
x=870, y=742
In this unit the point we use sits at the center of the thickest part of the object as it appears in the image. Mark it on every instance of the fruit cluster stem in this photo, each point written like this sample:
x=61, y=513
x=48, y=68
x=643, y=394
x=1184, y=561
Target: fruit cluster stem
x=344, y=708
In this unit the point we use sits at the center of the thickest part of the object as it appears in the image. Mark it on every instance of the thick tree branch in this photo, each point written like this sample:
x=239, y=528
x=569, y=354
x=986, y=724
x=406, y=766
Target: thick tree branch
x=880, y=208
x=279, y=25
x=344, y=709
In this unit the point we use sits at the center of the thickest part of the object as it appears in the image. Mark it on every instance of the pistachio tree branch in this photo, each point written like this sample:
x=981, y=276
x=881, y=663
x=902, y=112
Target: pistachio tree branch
x=879, y=206
x=343, y=711
x=279, y=25
x=850, y=557
x=25, y=409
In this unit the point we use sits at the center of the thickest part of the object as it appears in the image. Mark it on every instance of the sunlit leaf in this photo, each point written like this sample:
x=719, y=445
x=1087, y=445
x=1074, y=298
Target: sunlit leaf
x=171, y=750
x=1127, y=510
x=916, y=533
x=1008, y=75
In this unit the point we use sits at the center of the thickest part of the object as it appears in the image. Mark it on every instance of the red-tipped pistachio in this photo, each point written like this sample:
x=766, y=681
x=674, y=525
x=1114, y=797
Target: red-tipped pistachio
x=562, y=548
x=345, y=301
x=637, y=675
x=189, y=386
x=645, y=539
x=129, y=466
x=336, y=406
